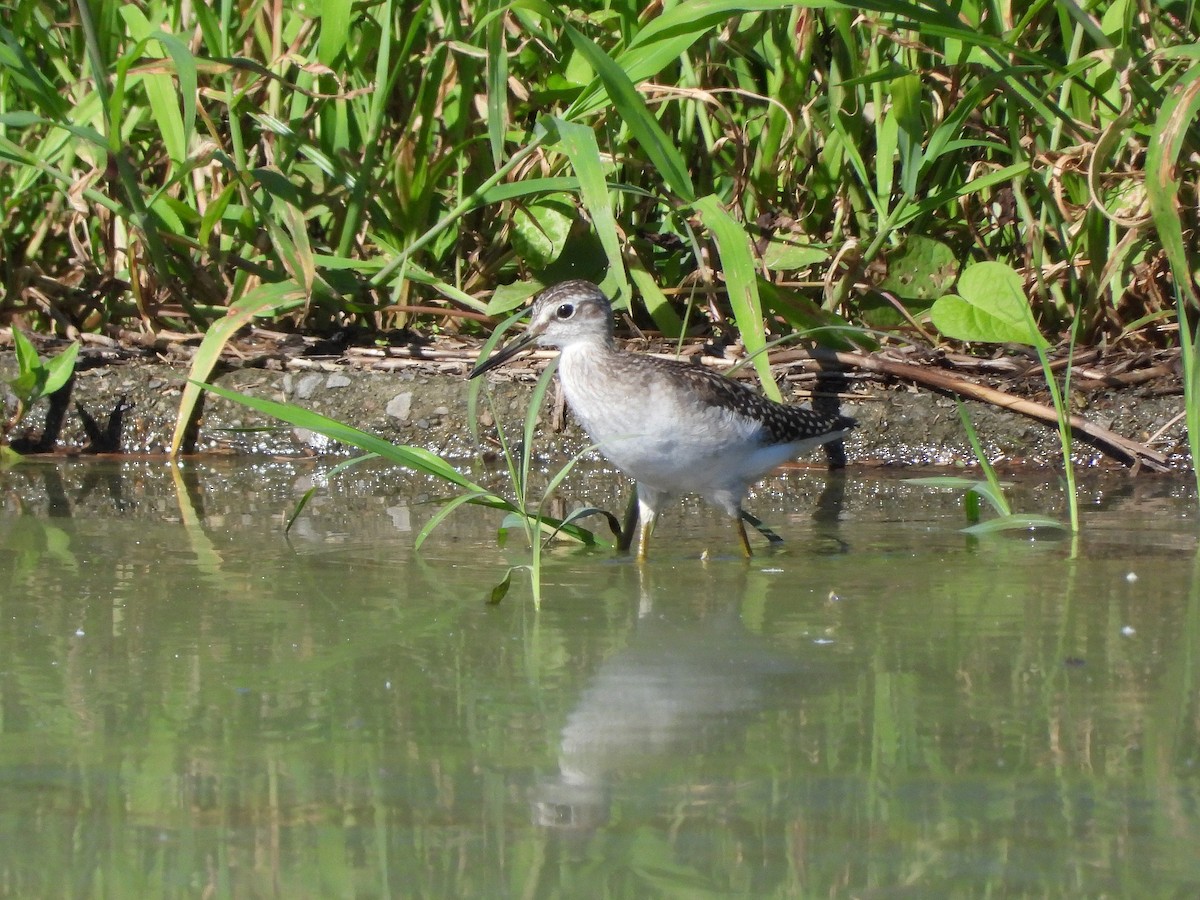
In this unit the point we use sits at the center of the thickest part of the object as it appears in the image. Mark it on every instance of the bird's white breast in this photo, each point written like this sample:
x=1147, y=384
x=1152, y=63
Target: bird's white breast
x=657, y=431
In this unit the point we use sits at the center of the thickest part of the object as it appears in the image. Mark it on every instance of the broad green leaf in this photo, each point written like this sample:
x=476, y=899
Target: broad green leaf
x=59, y=368
x=508, y=297
x=922, y=269
x=782, y=255
x=27, y=355
x=541, y=228
x=27, y=386
x=500, y=590
x=990, y=306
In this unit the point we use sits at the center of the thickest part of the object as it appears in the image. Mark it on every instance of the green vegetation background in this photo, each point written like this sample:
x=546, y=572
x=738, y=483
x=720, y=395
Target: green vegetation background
x=333, y=163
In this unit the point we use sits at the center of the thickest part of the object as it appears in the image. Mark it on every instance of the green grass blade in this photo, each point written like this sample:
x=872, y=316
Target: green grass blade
x=741, y=280
x=497, y=89
x=1162, y=183
x=1014, y=523
x=415, y=458
x=332, y=473
x=442, y=514
x=636, y=116
x=335, y=29
x=532, y=415
x=653, y=299
x=996, y=492
x=264, y=300
x=160, y=87
x=668, y=36
x=578, y=142
x=477, y=385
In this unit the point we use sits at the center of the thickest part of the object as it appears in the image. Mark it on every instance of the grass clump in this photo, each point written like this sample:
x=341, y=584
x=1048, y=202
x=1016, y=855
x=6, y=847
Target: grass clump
x=163, y=163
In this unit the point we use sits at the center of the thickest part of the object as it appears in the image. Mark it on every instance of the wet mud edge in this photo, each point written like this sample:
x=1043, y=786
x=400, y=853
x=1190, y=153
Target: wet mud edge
x=131, y=407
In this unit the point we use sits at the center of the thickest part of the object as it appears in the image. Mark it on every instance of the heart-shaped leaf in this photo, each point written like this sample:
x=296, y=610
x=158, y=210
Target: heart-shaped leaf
x=540, y=230
x=990, y=306
x=923, y=269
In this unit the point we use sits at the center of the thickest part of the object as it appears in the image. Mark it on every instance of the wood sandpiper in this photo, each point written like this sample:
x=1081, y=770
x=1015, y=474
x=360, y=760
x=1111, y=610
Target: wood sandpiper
x=674, y=427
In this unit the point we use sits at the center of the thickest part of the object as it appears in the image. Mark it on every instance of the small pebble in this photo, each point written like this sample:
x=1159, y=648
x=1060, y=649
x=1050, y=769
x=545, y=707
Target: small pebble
x=308, y=385
x=400, y=406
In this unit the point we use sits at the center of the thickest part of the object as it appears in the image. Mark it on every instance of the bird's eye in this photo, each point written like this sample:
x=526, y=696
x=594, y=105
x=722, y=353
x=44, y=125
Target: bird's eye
x=565, y=311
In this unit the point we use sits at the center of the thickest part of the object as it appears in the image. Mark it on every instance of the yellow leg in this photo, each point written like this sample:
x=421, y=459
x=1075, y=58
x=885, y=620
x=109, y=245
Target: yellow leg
x=645, y=529
x=649, y=503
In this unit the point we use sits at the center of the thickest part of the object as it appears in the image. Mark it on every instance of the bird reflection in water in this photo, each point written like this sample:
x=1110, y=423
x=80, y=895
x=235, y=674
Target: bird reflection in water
x=688, y=683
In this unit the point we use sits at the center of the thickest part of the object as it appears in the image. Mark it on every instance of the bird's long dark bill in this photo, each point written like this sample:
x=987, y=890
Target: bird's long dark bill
x=504, y=354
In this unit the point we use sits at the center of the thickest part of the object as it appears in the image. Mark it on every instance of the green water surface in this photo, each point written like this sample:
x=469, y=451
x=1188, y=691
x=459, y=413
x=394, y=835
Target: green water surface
x=193, y=704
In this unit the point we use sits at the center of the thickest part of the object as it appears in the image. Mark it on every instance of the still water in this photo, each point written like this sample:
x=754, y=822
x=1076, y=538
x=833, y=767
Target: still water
x=194, y=704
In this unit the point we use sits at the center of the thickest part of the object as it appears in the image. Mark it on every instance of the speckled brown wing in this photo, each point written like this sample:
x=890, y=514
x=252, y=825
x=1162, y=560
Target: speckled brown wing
x=784, y=423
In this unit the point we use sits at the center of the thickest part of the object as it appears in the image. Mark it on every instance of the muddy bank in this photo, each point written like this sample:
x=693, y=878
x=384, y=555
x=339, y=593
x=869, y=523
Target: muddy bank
x=132, y=406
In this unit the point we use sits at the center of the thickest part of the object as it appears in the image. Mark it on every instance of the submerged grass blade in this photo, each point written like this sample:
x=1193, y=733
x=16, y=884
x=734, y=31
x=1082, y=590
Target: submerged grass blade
x=996, y=492
x=311, y=492
x=1015, y=523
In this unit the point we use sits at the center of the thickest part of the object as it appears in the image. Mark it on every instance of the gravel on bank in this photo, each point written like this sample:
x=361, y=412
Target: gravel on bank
x=130, y=406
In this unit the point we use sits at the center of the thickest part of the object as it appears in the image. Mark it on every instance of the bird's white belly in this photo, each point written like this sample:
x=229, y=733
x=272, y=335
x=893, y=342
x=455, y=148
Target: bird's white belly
x=657, y=434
